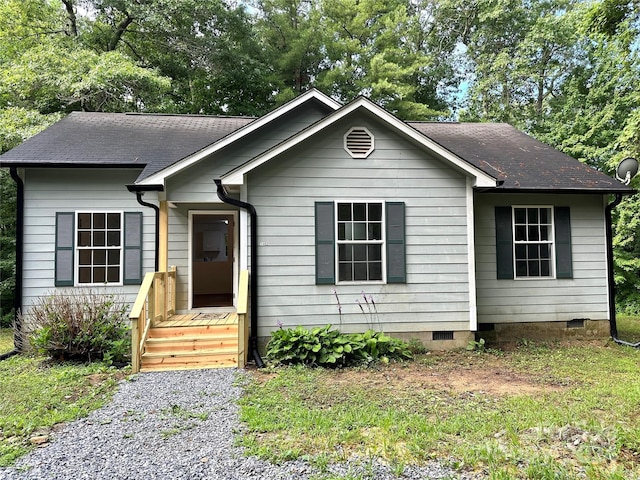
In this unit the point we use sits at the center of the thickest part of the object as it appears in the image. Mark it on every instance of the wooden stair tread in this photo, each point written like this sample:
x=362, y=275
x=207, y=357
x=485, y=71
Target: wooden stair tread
x=193, y=353
x=193, y=338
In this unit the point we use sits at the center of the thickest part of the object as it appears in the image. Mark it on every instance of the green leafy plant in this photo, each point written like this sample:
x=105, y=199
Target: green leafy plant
x=80, y=324
x=327, y=347
x=476, y=346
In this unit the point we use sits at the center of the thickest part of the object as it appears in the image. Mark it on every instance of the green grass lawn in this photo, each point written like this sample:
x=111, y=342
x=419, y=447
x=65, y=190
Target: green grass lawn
x=6, y=340
x=35, y=396
x=539, y=411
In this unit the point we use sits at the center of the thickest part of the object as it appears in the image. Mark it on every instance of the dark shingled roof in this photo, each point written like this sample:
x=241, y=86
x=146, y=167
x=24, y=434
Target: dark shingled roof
x=522, y=162
x=123, y=139
x=154, y=142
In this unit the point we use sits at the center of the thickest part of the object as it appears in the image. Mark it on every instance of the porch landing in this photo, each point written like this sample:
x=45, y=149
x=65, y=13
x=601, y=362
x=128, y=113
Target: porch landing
x=191, y=341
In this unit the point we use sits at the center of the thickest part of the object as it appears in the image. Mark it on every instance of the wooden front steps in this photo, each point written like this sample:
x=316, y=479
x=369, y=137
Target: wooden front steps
x=192, y=341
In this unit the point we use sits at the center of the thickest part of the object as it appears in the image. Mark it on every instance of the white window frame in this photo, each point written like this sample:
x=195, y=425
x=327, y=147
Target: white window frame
x=77, y=249
x=382, y=242
x=551, y=242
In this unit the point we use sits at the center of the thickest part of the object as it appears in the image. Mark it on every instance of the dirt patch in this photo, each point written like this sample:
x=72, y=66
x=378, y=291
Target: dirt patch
x=445, y=371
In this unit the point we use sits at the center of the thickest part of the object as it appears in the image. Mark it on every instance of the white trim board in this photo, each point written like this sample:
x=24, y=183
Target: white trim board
x=161, y=176
x=236, y=176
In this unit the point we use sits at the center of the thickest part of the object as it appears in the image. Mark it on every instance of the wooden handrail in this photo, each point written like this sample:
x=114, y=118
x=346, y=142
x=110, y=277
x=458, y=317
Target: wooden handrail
x=243, y=331
x=155, y=302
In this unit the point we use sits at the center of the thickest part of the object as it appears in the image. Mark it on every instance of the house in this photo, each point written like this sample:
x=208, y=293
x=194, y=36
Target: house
x=449, y=228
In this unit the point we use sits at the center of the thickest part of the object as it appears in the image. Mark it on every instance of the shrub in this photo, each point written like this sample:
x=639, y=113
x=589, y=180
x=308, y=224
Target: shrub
x=81, y=324
x=325, y=347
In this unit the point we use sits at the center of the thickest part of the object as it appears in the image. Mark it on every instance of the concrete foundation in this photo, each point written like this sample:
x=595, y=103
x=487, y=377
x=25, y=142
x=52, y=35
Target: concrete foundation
x=579, y=329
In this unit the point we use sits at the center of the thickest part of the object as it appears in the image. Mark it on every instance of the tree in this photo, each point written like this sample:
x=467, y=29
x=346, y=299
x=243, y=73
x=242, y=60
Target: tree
x=521, y=52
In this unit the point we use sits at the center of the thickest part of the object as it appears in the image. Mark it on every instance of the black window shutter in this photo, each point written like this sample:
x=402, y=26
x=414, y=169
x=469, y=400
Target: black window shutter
x=504, y=243
x=325, y=244
x=562, y=232
x=65, y=231
x=132, y=248
x=396, y=263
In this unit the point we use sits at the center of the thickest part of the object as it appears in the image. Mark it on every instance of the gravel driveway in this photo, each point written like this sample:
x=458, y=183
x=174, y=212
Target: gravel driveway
x=175, y=425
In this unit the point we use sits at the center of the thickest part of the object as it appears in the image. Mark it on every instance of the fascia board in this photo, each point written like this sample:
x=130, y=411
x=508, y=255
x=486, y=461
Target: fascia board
x=162, y=175
x=236, y=176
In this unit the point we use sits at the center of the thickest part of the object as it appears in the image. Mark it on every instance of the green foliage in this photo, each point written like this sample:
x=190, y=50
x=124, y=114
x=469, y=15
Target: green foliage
x=81, y=324
x=326, y=347
x=476, y=346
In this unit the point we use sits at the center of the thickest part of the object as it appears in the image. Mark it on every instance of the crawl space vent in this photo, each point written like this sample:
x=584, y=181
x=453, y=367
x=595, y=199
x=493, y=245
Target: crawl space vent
x=442, y=335
x=358, y=142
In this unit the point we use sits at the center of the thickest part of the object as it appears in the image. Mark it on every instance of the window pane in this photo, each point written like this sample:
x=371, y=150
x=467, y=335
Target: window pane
x=99, y=275
x=113, y=257
x=375, y=271
x=375, y=231
x=344, y=212
x=532, y=251
x=99, y=257
x=84, y=275
x=360, y=253
x=342, y=235
x=344, y=272
x=99, y=239
x=375, y=212
x=113, y=274
x=521, y=251
x=113, y=221
x=345, y=253
x=113, y=239
x=84, y=257
x=360, y=271
x=99, y=220
x=84, y=239
x=532, y=214
x=520, y=215
x=359, y=231
x=545, y=270
x=544, y=232
x=521, y=268
x=545, y=251
x=84, y=220
x=375, y=252
x=360, y=211
x=533, y=233
x=534, y=270
x=521, y=233
x=544, y=215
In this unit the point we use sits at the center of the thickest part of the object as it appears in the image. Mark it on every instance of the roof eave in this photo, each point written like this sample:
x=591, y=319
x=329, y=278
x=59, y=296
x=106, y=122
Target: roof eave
x=159, y=177
x=563, y=191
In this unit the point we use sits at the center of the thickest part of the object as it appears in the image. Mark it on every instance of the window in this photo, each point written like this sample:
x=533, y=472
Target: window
x=533, y=242
x=99, y=247
x=359, y=241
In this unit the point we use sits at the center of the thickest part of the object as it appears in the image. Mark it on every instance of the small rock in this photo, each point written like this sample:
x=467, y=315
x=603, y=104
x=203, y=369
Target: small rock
x=39, y=439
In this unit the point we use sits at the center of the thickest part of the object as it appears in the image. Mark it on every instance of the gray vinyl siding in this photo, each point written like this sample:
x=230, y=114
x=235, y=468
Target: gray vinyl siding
x=178, y=253
x=284, y=192
x=195, y=184
x=544, y=300
x=48, y=191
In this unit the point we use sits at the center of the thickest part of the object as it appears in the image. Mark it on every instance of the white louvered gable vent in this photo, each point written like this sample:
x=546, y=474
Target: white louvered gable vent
x=358, y=142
